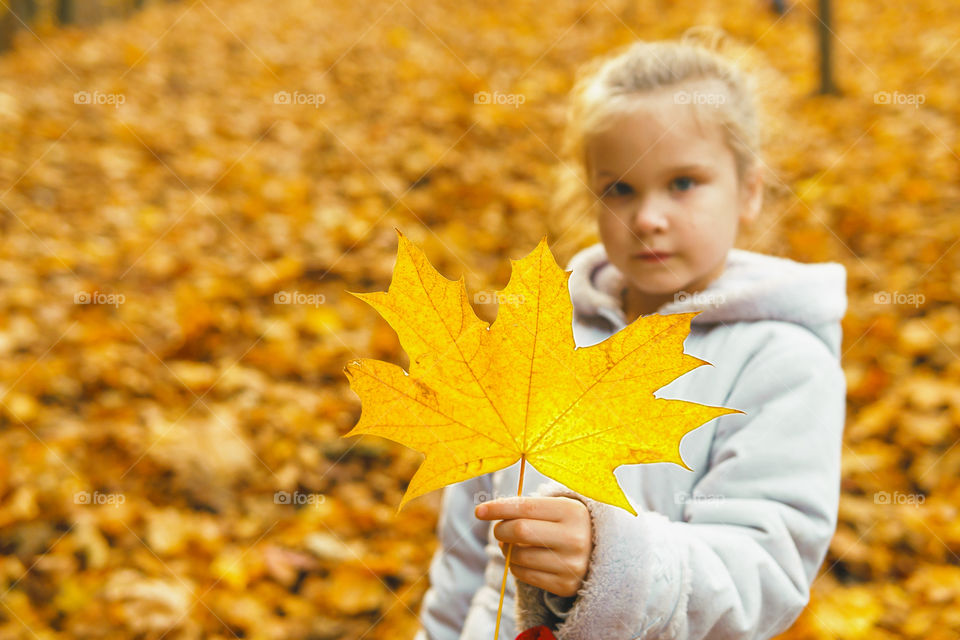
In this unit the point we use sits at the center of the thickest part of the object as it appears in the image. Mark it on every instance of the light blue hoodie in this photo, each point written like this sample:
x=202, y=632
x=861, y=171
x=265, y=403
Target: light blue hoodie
x=728, y=551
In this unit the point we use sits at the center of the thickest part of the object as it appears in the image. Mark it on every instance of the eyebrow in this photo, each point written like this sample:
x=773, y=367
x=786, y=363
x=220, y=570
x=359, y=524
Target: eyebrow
x=677, y=169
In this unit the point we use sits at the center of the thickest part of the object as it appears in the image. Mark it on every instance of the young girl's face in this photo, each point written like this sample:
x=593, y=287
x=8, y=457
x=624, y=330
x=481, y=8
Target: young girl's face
x=667, y=184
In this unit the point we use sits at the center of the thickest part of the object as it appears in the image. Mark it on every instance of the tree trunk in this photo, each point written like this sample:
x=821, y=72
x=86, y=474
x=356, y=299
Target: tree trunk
x=825, y=31
x=12, y=19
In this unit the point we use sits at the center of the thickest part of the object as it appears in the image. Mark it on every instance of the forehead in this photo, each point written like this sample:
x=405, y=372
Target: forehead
x=657, y=129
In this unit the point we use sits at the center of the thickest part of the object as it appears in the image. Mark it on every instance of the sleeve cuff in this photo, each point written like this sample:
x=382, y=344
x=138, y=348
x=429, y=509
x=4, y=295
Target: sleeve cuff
x=558, y=605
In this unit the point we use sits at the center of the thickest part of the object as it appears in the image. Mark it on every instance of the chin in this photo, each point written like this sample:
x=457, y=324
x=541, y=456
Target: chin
x=654, y=280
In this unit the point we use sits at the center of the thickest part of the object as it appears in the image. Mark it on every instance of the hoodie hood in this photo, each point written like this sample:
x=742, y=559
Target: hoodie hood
x=754, y=286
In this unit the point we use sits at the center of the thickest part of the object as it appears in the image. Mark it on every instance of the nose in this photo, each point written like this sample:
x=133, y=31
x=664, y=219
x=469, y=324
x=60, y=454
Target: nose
x=649, y=216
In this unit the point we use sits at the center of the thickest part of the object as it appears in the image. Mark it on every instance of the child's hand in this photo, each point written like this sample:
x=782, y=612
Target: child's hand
x=553, y=536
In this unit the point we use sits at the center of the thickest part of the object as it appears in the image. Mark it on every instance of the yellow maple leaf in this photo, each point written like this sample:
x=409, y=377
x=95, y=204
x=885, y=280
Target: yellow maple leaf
x=480, y=397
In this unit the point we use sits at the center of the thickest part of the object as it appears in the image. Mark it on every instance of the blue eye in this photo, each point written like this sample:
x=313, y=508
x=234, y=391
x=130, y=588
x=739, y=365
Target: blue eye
x=617, y=189
x=683, y=183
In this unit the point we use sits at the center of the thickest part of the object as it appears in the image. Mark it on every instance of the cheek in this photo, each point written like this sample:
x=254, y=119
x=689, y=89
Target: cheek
x=712, y=230
x=604, y=218
x=705, y=231
x=713, y=212
x=611, y=229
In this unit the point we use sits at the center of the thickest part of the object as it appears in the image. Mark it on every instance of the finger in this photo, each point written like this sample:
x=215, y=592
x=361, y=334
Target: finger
x=536, y=533
x=553, y=509
x=563, y=587
x=545, y=560
x=516, y=546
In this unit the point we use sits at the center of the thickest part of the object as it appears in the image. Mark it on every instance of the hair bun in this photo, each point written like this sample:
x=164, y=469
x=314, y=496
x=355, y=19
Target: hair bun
x=710, y=37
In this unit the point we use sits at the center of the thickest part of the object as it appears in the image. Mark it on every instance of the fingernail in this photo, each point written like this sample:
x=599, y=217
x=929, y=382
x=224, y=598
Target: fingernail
x=482, y=510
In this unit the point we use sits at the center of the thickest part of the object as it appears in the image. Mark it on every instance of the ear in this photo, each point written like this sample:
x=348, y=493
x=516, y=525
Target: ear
x=751, y=194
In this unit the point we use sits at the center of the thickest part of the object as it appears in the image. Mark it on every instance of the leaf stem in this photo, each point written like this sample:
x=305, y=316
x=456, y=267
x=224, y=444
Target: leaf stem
x=506, y=566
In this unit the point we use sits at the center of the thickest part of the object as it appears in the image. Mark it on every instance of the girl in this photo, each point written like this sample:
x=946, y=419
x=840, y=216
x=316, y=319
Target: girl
x=666, y=135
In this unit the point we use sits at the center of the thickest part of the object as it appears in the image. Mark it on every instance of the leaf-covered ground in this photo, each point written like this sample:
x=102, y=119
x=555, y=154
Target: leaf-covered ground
x=178, y=237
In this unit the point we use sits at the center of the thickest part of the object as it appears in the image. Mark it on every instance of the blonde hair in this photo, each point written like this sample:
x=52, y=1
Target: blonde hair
x=613, y=83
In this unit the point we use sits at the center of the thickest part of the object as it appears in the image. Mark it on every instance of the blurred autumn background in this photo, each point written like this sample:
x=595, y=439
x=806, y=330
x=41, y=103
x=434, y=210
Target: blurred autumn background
x=187, y=190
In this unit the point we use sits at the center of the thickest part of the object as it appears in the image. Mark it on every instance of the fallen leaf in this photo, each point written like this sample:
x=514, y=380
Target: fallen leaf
x=479, y=398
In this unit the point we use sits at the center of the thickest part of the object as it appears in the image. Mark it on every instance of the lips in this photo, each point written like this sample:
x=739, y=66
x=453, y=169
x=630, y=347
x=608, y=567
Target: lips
x=653, y=255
